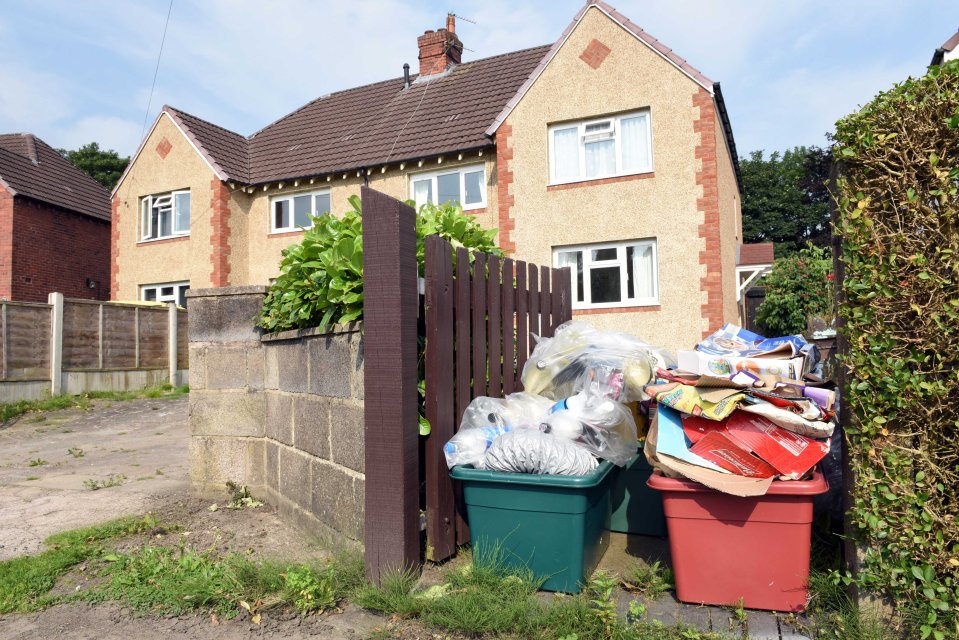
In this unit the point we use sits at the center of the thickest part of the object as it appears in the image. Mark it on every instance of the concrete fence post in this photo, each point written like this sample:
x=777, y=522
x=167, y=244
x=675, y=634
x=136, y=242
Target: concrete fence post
x=56, y=343
x=172, y=341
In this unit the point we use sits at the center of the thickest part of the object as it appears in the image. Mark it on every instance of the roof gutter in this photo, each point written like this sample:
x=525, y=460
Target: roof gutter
x=728, y=133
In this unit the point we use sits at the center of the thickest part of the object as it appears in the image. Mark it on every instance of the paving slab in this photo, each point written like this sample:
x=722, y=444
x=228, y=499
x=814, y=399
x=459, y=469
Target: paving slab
x=762, y=625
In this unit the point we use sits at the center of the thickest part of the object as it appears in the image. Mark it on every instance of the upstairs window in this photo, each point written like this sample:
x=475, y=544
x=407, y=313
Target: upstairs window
x=601, y=148
x=465, y=185
x=165, y=215
x=621, y=274
x=297, y=210
x=166, y=292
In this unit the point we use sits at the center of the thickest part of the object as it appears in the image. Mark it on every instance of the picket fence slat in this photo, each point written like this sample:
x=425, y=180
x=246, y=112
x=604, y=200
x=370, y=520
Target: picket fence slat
x=522, y=319
x=478, y=289
x=495, y=329
x=509, y=328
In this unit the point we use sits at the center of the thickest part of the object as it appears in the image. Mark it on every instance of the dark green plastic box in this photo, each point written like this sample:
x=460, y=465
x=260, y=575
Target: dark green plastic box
x=637, y=509
x=555, y=526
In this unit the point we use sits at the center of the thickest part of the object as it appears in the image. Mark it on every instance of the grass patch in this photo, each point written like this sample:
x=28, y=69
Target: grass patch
x=832, y=614
x=11, y=410
x=24, y=582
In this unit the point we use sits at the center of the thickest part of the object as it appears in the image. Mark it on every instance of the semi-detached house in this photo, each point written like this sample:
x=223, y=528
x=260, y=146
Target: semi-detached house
x=604, y=151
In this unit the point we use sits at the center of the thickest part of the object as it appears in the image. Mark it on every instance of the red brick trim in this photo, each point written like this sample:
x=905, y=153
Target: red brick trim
x=220, y=233
x=115, y=248
x=146, y=243
x=475, y=212
x=597, y=181
x=595, y=53
x=283, y=234
x=6, y=245
x=504, y=179
x=164, y=148
x=708, y=203
x=593, y=312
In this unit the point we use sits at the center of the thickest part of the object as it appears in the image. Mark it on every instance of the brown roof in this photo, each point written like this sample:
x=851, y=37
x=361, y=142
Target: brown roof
x=756, y=253
x=32, y=168
x=947, y=46
x=368, y=126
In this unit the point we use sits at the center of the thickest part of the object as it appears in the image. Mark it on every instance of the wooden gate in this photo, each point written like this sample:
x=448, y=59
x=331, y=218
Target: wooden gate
x=481, y=319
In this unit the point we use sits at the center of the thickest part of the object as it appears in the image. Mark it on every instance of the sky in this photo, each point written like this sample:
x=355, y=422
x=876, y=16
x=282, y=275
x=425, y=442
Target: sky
x=79, y=71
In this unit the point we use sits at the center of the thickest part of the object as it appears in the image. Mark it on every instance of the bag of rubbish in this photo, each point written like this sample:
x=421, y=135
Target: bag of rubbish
x=487, y=418
x=532, y=451
x=616, y=365
x=601, y=426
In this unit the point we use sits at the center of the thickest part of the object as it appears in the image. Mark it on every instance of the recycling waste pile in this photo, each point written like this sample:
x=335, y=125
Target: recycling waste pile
x=734, y=429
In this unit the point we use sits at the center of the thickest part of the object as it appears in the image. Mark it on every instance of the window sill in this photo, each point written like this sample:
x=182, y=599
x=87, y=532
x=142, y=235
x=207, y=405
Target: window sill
x=590, y=312
x=163, y=240
x=475, y=212
x=283, y=234
x=595, y=181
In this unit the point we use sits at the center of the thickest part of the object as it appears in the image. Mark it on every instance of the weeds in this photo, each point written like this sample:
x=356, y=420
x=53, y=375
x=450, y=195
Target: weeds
x=38, y=462
x=650, y=580
x=832, y=614
x=76, y=452
x=33, y=478
x=11, y=410
x=112, y=480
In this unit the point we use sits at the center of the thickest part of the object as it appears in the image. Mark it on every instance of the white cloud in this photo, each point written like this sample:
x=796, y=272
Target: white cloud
x=108, y=131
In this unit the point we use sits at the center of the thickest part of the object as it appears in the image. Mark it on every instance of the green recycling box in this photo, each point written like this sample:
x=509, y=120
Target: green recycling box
x=637, y=509
x=555, y=526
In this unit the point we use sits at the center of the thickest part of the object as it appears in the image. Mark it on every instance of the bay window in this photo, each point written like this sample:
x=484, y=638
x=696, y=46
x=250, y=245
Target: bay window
x=621, y=274
x=465, y=185
x=165, y=215
x=297, y=210
x=600, y=148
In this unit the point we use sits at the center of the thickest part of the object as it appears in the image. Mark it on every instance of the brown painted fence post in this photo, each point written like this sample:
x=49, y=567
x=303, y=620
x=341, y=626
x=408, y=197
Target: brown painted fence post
x=392, y=532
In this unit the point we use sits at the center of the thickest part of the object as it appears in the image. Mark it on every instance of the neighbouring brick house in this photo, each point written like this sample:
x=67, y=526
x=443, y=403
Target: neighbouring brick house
x=604, y=151
x=54, y=225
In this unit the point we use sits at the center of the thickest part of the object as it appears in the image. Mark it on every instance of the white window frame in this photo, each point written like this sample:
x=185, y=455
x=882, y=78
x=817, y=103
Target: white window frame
x=462, y=171
x=146, y=219
x=580, y=127
x=620, y=261
x=289, y=197
x=178, y=289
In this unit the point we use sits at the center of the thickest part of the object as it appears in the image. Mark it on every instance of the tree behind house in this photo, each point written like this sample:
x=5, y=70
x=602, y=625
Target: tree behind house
x=104, y=166
x=785, y=199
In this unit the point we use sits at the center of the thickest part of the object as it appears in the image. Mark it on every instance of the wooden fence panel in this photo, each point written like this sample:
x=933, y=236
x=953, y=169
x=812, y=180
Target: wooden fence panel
x=119, y=337
x=392, y=506
x=81, y=335
x=154, y=338
x=479, y=324
x=27, y=350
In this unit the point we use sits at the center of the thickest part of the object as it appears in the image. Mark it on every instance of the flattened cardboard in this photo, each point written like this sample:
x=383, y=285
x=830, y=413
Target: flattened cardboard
x=696, y=428
x=718, y=447
x=719, y=366
x=791, y=454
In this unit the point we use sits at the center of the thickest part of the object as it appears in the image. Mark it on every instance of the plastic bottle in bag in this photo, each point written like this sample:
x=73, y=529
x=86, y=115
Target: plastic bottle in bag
x=603, y=427
x=469, y=445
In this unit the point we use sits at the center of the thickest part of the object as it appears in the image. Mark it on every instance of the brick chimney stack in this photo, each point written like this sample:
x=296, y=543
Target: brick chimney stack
x=439, y=49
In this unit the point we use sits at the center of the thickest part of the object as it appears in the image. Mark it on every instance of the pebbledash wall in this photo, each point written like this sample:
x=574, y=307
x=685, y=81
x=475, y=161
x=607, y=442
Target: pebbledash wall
x=281, y=413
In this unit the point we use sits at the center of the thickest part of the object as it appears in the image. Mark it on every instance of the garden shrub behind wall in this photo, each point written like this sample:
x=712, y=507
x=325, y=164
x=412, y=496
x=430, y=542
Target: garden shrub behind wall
x=899, y=224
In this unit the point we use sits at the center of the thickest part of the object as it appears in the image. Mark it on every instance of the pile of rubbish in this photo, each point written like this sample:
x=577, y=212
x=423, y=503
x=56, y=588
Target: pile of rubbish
x=580, y=404
x=741, y=411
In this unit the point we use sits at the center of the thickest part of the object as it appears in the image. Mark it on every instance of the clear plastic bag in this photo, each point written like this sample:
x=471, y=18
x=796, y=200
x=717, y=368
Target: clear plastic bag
x=603, y=427
x=611, y=364
x=531, y=451
x=487, y=418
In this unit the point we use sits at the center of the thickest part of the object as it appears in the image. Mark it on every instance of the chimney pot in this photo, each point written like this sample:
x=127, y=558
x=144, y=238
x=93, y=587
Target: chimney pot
x=451, y=23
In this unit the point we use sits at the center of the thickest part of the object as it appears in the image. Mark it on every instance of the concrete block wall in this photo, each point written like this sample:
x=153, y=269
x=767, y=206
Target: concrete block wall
x=281, y=413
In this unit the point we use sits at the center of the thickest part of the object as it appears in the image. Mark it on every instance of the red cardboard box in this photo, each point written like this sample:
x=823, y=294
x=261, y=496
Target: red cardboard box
x=791, y=454
x=719, y=448
x=696, y=427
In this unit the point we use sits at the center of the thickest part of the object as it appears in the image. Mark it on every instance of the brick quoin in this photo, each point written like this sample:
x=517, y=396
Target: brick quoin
x=55, y=249
x=6, y=244
x=504, y=178
x=115, y=248
x=595, y=53
x=707, y=177
x=220, y=233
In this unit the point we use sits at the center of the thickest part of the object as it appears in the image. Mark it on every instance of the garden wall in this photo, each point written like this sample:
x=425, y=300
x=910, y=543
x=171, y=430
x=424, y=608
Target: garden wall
x=281, y=413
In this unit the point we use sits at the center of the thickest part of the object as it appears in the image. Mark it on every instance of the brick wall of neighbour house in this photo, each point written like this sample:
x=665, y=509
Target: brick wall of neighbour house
x=602, y=70
x=730, y=223
x=55, y=249
x=280, y=413
x=6, y=244
x=707, y=178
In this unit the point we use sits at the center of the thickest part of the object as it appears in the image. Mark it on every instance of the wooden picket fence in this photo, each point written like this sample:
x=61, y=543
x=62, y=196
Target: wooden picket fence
x=481, y=320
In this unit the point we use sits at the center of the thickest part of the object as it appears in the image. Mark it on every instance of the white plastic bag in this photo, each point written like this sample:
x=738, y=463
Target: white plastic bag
x=602, y=427
x=487, y=418
x=531, y=451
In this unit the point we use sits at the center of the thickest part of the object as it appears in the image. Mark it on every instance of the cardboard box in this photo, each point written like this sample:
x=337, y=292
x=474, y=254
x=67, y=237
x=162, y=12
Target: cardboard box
x=719, y=448
x=791, y=454
x=708, y=364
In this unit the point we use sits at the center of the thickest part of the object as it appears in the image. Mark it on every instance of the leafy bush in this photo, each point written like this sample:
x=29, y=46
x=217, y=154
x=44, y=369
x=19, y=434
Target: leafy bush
x=798, y=287
x=899, y=207
x=321, y=278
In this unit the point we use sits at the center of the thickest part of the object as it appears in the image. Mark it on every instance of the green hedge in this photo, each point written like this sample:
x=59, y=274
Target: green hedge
x=899, y=223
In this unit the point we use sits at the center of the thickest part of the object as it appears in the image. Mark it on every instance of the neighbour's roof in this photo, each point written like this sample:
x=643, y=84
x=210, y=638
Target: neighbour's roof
x=755, y=253
x=32, y=168
x=947, y=46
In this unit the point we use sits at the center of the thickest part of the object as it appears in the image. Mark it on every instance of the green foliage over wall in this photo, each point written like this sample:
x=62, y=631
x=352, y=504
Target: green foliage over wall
x=798, y=287
x=321, y=278
x=899, y=222
x=103, y=165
